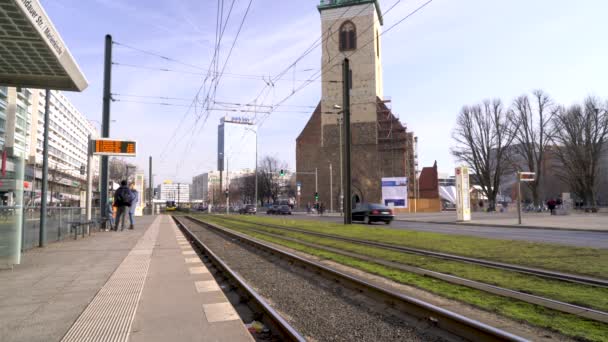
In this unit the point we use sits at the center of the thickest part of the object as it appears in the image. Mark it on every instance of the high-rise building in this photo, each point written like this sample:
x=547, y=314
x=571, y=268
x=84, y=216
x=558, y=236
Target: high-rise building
x=236, y=146
x=22, y=134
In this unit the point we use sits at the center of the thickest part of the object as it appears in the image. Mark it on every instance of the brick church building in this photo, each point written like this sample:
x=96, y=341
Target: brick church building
x=381, y=145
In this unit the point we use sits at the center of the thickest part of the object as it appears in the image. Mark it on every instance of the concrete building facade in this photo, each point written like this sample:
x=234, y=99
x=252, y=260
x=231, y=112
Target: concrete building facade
x=178, y=192
x=22, y=134
x=381, y=144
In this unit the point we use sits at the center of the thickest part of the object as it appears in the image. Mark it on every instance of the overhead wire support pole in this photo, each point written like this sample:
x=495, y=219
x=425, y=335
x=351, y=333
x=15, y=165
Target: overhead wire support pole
x=45, y=170
x=105, y=122
x=347, y=142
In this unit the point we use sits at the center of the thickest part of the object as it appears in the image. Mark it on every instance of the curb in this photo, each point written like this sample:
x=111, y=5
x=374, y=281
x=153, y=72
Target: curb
x=506, y=226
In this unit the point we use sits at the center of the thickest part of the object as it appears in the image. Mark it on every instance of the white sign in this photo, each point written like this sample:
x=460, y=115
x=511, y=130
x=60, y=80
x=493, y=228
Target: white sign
x=463, y=199
x=139, y=186
x=41, y=22
x=526, y=176
x=394, y=192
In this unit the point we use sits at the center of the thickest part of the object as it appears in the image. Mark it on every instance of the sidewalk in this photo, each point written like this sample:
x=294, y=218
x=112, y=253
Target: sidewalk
x=145, y=284
x=597, y=222
x=574, y=221
x=41, y=298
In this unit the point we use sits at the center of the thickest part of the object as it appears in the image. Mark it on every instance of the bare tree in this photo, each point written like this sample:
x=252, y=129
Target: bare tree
x=531, y=122
x=483, y=136
x=580, y=135
x=119, y=169
x=269, y=186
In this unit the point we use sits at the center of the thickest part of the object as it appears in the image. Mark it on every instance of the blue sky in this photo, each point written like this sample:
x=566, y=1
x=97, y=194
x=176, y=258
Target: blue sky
x=449, y=54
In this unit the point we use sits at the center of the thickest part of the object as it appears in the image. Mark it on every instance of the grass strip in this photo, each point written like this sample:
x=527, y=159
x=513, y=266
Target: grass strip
x=576, y=260
x=577, y=294
x=566, y=324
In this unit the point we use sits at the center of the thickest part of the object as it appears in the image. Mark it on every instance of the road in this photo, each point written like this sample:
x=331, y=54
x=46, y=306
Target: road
x=563, y=237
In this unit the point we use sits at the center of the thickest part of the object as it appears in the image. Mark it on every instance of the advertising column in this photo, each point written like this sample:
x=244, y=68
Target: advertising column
x=139, y=186
x=463, y=200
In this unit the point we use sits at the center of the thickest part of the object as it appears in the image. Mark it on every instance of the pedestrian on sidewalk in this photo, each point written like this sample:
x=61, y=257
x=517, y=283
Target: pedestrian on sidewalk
x=122, y=200
x=134, y=202
x=110, y=214
x=551, y=204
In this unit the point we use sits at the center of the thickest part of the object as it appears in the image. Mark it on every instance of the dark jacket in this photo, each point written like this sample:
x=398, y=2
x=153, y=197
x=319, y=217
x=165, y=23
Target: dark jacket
x=123, y=197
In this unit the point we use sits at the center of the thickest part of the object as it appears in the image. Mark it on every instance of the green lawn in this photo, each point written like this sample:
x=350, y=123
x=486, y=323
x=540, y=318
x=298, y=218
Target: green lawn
x=578, y=294
x=566, y=324
x=579, y=260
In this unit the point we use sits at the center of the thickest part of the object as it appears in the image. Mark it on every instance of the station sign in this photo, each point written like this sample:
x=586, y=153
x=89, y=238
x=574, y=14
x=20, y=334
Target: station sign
x=113, y=147
x=526, y=176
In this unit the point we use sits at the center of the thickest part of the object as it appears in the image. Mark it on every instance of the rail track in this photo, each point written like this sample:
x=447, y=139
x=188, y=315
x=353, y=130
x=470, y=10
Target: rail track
x=390, y=309
x=578, y=310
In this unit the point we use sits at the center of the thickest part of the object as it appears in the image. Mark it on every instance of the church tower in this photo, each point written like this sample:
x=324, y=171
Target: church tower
x=351, y=29
x=381, y=146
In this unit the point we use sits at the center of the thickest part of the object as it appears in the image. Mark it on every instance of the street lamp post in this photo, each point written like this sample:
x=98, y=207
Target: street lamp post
x=255, y=199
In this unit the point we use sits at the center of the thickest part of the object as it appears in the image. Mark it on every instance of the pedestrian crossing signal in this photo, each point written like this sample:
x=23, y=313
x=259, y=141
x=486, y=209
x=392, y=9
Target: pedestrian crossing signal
x=316, y=196
x=282, y=173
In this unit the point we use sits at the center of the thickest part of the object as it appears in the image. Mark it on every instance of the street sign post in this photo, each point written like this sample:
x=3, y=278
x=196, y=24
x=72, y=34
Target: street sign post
x=522, y=177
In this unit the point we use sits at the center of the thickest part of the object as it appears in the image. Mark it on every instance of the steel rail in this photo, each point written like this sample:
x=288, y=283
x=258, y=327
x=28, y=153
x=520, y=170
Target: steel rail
x=286, y=331
x=577, y=310
x=495, y=264
x=444, y=320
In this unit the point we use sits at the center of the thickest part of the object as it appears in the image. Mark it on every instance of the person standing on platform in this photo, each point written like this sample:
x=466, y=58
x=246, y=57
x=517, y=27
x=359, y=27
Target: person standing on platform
x=134, y=202
x=122, y=200
x=110, y=214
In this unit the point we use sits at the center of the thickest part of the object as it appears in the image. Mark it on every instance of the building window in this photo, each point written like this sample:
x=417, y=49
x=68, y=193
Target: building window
x=348, y=36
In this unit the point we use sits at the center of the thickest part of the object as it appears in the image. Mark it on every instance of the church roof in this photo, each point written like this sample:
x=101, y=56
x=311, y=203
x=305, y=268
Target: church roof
x=326, y=4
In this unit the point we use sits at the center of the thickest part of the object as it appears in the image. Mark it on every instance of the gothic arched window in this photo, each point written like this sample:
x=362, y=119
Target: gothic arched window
x=348, y=36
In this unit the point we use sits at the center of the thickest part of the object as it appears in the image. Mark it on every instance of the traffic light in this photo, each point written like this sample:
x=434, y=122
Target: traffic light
x=282, y=173
x=82, y=170
x=226, y=192
x=316, y=196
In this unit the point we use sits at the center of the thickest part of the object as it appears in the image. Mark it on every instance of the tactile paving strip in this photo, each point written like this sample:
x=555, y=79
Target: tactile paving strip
x=110, y=314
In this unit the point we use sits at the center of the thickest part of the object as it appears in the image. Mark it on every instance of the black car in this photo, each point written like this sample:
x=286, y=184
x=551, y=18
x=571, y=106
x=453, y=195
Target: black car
x=248, y=209
x=273, y=210
x=283, y=210
x=372, y=212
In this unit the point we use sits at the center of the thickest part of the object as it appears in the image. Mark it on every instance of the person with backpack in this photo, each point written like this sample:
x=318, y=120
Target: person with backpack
x=134, y=202
x=122, y=200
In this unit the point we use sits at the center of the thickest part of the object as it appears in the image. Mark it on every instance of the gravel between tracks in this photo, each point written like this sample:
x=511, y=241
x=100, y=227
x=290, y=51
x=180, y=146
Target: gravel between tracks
x=319, y=311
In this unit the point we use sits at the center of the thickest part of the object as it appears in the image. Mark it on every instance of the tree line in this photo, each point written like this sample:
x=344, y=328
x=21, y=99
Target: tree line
x=495, y=140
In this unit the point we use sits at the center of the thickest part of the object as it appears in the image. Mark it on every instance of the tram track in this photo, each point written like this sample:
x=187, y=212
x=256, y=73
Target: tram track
x=376, y=313
x=544, y=273
x=581, y=311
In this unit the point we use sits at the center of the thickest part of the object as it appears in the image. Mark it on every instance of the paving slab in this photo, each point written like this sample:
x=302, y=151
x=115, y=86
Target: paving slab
x=43, y=296
x=174, y=305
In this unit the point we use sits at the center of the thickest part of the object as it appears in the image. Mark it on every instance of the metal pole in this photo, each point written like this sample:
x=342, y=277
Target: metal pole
x=150, y=189
x=227, y=189
x=331, y=189
x=89, y=179
x=45, y=171
x=347, y=141
x=518, y=200
x=105, y=122
x=341, y=167
x=179, y=185
x=256, y=173
x=316, y=181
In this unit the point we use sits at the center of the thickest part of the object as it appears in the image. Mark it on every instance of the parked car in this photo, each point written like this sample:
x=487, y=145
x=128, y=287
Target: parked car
x=273, y=210
x=372, y=212
x=283, y=210
x=248, y=209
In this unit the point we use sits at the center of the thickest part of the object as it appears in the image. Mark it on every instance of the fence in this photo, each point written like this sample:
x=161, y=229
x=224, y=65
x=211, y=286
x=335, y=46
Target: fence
x=57, y=227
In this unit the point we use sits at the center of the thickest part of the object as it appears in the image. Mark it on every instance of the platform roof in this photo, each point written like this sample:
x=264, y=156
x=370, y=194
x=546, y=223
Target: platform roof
x=32, y=54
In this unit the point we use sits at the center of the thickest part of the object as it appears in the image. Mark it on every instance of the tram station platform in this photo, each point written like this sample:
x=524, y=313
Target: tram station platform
x=146, y=284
